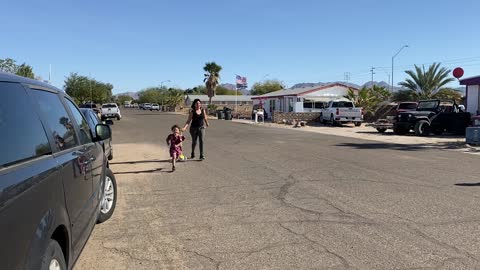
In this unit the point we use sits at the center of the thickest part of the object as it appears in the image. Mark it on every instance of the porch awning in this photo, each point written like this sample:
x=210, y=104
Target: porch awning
x=321, y=99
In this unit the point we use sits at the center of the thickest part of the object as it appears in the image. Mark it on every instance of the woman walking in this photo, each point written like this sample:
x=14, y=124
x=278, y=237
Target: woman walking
x=197, y=120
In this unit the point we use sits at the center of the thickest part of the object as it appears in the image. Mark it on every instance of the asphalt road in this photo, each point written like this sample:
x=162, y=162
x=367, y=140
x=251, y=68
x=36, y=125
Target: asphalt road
x=268, y=198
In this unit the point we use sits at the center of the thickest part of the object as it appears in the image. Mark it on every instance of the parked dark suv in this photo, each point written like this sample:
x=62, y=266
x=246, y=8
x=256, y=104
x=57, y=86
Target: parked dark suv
x=54, y=178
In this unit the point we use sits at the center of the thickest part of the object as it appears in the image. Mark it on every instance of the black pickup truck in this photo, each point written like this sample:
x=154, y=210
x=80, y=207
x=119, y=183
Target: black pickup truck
x=55, y=184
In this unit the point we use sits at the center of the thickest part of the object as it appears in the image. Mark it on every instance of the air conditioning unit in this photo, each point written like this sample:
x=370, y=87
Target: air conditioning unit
x=473, y=135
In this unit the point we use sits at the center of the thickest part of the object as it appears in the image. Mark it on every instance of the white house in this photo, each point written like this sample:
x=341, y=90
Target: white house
x=220, y=100
x=472, y=94
x=307, y=99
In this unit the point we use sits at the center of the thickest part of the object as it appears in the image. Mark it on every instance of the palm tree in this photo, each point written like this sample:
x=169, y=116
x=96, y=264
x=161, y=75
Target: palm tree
x=212, y=78
x=426, y=84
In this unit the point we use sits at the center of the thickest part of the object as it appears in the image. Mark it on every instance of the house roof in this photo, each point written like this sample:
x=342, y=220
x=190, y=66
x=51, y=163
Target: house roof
x=471, y=81
x=219, y=98
x=300, y=91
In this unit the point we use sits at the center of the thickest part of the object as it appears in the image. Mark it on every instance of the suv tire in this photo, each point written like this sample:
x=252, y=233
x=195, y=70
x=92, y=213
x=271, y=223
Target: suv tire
x=422, y=128
x=53, y=257
x=109, y=197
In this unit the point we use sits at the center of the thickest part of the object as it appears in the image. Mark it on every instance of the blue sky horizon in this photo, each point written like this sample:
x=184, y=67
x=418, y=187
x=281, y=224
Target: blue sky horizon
x=138, y=45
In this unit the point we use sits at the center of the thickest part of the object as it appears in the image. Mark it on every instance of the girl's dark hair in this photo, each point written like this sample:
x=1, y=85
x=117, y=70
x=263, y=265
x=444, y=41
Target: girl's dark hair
x=174, y=127
x=195, y=102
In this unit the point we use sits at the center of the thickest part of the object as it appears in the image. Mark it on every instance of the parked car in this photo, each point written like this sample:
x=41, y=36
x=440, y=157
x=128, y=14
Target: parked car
x=92, y=106
x=433, y=116
x=341, y=111
x=55, y=183
x=147, y=106
x=155, y=107
x=386, y=114
x=135, y=105
x=111, y=110
x=93, y=121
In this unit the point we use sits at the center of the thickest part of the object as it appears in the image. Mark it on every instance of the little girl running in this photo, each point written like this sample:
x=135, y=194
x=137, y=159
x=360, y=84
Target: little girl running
x=175, y=140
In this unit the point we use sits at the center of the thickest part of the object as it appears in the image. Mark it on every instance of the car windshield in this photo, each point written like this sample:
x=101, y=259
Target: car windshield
x=343, y=104
x=428, y=105
x=407, y=106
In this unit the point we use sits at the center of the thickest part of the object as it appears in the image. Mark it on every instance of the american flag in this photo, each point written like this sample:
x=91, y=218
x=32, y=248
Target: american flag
x=241, y=80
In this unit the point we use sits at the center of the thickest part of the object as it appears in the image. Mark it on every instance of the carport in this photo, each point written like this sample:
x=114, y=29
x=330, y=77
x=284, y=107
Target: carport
x=472, y=94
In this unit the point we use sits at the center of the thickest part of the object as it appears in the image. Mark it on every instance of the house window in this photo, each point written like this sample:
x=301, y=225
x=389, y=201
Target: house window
x=272, y=105
x=307, y=104
x=299, y=99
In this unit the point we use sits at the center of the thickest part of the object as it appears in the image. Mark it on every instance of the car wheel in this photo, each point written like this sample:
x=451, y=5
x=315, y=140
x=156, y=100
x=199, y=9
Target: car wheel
x=53, y=258
x=381, y=130
x=357, y=124
x=422, y=128
x=118, y=118
x=332, y=120
x=109, y=197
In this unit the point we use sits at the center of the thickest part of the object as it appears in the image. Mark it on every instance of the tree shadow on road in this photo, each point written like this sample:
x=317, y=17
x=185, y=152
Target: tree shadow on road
x=404, y=147
x=468, y=184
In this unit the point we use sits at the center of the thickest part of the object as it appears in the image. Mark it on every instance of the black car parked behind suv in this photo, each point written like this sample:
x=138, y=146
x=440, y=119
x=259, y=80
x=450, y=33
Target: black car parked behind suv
x=54, y=178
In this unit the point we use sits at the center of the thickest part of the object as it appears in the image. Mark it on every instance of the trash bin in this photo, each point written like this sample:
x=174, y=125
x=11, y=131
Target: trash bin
x=228, y=113
x=220, y=115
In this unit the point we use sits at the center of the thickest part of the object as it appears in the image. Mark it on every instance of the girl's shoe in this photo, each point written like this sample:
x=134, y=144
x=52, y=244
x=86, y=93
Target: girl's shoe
x=173, y=168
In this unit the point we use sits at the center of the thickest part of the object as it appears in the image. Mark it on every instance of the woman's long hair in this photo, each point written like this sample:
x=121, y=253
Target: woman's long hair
x=195, y=102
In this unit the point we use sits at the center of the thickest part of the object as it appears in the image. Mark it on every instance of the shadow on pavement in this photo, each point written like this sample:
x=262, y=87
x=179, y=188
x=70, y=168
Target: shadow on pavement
x=403, y=147
x=144, y=171
x=139, y=161
x=468, y=184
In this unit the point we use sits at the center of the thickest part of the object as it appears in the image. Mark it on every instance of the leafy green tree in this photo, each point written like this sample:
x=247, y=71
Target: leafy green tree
x=25, y=71
x=84, y=89
x=152, y=95
x=212, y=78
x=425, y=84
x=8, y=65
x=368, y=98
x=174, y=97
x=122, y=98
x=225, y=91
x=449, y=94
x=261, y=88
x=403, y=95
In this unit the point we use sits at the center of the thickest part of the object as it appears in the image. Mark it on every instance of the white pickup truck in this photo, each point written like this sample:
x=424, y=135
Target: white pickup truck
x=110, y=110
x=341, y=111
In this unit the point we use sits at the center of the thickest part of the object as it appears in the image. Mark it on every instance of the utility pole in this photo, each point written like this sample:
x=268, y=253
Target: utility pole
x=346, y=76
x=372, y=71
x=393, y=58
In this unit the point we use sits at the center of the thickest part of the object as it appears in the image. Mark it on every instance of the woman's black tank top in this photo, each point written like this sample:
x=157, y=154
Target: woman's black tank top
x=197, y=119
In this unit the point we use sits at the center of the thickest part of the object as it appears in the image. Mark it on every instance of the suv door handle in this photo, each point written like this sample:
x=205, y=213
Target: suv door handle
x=92, y=159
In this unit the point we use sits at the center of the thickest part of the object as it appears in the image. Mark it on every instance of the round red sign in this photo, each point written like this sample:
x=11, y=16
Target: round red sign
x=458, y=72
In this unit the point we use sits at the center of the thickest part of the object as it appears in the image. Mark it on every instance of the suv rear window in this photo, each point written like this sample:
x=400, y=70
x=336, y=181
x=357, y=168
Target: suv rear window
x=23, y=135
x=109, y=106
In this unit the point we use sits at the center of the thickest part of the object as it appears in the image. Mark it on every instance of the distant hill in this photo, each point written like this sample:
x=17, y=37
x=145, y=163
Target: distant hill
x=303, y=85
x=134, y=95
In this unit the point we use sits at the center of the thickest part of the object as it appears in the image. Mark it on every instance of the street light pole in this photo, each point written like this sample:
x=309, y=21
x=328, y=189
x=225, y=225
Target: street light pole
x=393, y=58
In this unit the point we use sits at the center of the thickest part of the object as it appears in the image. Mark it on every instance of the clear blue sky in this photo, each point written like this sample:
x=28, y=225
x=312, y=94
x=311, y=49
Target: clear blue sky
x=136, y=44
